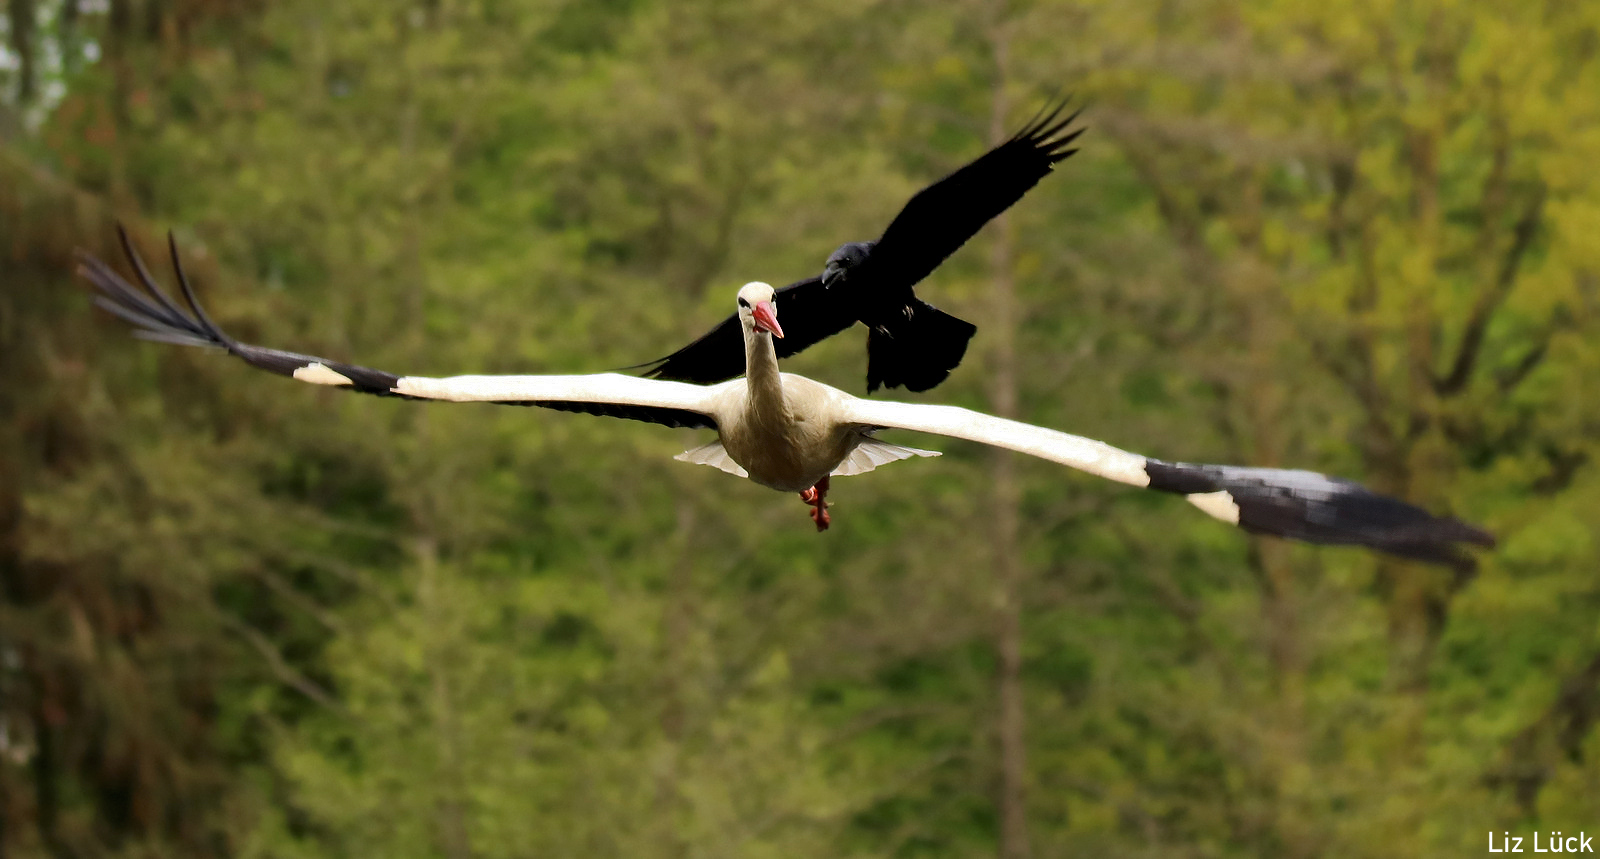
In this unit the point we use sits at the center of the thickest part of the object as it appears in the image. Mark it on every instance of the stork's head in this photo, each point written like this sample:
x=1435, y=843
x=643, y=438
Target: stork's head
x=756, y=310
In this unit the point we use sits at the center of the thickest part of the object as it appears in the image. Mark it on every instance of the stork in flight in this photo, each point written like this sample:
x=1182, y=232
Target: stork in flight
x=909, y=342
x=792, y=434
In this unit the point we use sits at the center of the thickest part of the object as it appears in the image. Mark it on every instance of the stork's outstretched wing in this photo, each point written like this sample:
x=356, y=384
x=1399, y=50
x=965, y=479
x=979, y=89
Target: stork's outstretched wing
x=155, y=316
x=1302, y=505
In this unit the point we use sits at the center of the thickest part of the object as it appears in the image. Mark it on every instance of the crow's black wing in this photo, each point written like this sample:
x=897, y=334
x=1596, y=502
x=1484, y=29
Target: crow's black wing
x=808, y=312
x=937, y=221
x=157, y=317
x=944, y=215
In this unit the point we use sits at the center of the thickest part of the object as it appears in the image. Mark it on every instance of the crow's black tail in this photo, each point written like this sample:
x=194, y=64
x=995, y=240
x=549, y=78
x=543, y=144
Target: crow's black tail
x=916, y=348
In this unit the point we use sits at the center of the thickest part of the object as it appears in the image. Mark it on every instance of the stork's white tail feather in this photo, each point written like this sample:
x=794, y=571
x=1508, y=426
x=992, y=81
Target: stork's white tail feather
x=869, y=455
x=714, y=455
x=872, y=453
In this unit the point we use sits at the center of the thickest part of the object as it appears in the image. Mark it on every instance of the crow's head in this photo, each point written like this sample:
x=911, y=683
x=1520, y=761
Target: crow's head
x=841, y=261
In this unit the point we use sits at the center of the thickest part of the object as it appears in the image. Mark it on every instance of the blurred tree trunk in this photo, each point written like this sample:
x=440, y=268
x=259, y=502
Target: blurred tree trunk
x=23, y=31
x=454, y=838
x=46, y=767
x=11, y=715
x=1007, y=563
x=434, y=598
x=677, y=631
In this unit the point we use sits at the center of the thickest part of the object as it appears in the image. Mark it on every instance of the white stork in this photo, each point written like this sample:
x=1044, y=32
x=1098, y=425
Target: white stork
x=791, y=433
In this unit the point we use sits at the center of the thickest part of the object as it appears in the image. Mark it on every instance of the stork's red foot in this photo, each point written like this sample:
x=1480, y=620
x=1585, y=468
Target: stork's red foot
x=816, y=497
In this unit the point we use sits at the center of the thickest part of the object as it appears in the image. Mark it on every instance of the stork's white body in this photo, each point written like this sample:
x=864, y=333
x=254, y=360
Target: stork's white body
x=788, y=437
x=781, y=428
x=778, y=429
x=786, y=431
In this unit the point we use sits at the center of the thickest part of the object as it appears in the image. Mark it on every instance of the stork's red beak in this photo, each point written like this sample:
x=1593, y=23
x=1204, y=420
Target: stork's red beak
x=766, y=317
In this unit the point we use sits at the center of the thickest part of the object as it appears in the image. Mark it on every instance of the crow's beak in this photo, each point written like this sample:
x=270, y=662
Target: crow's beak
x=831, y=273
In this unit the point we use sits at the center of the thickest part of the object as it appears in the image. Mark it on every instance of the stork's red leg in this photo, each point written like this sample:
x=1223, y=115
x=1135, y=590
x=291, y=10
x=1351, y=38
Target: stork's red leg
x=816, y=496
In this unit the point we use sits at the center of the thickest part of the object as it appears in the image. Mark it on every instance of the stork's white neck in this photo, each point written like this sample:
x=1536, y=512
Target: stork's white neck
x=761, y=373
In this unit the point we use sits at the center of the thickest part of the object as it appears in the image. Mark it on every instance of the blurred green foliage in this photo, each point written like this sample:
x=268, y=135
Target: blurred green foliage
x=244, y=618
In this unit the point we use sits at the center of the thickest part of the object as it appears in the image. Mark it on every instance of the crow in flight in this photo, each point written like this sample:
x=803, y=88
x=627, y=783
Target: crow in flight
x=910, y=342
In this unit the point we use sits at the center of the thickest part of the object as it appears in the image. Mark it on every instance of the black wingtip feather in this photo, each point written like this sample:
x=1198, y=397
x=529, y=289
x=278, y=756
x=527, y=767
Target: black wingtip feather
x=1044, y=132
x=1304, y=505
x=174, y=338
x=170, y=310
x=116, y=292
x=1046, y=115
x=189, y=296
x=159, y=318
x=1052, y=103
x=162, y=320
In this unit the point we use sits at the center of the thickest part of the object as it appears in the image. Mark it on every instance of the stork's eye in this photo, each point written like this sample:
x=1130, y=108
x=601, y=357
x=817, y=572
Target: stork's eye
x=743, y=303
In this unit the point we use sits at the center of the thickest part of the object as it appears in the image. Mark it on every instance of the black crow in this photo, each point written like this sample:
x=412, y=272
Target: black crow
x=910, y=342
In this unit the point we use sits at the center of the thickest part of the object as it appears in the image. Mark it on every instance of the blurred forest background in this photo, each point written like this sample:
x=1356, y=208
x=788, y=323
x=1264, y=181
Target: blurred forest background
x=241, y=617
